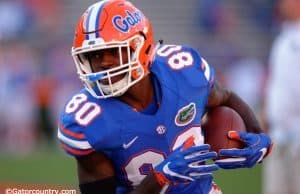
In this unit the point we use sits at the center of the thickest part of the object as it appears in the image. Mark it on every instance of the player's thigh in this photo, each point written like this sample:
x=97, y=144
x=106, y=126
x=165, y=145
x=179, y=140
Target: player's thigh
x=276, y=172
x=294, y=171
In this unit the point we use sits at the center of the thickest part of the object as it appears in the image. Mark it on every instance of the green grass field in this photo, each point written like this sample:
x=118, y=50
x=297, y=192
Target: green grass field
x=245, y=181
x=47, y=166
x=51, y=166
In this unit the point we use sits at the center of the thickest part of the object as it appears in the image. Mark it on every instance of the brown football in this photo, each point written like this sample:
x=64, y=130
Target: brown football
x=217, y=122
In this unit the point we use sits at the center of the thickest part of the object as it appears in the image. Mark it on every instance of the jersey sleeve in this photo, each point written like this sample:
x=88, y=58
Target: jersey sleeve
x=208, y=72
x=71, y=138
x=186, y=62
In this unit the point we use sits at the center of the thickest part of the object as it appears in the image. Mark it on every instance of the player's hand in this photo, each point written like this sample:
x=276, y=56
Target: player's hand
x=185, y=165
x=258, y=146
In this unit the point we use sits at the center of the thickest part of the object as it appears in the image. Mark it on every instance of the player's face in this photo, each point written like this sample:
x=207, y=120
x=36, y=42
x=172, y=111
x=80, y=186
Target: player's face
x=106, y=59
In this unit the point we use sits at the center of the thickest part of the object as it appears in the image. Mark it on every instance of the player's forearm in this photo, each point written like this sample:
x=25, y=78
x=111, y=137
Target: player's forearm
x=148, y=186
x=241, y=107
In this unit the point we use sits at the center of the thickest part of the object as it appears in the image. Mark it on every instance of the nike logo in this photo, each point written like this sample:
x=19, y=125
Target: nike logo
x=168, y=171
x=263, y=153
x=126, y=146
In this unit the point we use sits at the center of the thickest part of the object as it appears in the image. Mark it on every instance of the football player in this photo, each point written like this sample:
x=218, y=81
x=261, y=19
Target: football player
x=281, y=173
x=136, y=126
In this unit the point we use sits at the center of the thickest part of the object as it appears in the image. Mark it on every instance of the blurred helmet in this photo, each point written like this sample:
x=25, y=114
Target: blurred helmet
x=113, y=24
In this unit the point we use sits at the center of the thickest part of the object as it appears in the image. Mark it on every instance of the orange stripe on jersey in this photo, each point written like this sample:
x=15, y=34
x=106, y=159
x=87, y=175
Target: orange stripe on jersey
x=188, y=143
x=71, y=133
x=76, y=152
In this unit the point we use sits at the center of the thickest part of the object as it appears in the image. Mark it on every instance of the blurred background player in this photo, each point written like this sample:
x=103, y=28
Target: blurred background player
x=282, y=170
x=141, y=103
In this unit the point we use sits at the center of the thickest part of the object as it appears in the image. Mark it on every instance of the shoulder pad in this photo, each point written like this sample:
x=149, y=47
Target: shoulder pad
x=185, y=60
x=73, y=119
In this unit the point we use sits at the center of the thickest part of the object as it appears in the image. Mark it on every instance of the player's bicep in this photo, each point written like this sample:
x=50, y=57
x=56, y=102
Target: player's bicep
x=218, y=95
x=95, y=166
x=96, y=174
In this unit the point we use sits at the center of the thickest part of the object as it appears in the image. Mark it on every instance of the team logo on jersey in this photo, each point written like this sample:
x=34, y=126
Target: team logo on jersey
x=130, y=20
x=185, y=115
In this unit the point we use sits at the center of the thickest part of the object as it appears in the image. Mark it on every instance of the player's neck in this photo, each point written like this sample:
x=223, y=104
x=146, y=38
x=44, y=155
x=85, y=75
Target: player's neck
x=140, y=95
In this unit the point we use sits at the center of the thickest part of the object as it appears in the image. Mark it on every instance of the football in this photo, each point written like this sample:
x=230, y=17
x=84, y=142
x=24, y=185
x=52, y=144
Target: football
x=216, y=123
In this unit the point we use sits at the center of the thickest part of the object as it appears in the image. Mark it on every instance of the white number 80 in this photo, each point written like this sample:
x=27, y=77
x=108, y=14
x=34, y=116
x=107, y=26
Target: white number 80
x=85, y=111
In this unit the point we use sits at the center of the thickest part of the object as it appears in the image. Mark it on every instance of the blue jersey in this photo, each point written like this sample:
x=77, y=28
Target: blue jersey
x=134, y=141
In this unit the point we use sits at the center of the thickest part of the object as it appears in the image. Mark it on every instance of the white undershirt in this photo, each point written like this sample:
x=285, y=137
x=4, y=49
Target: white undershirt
x=283, y=92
